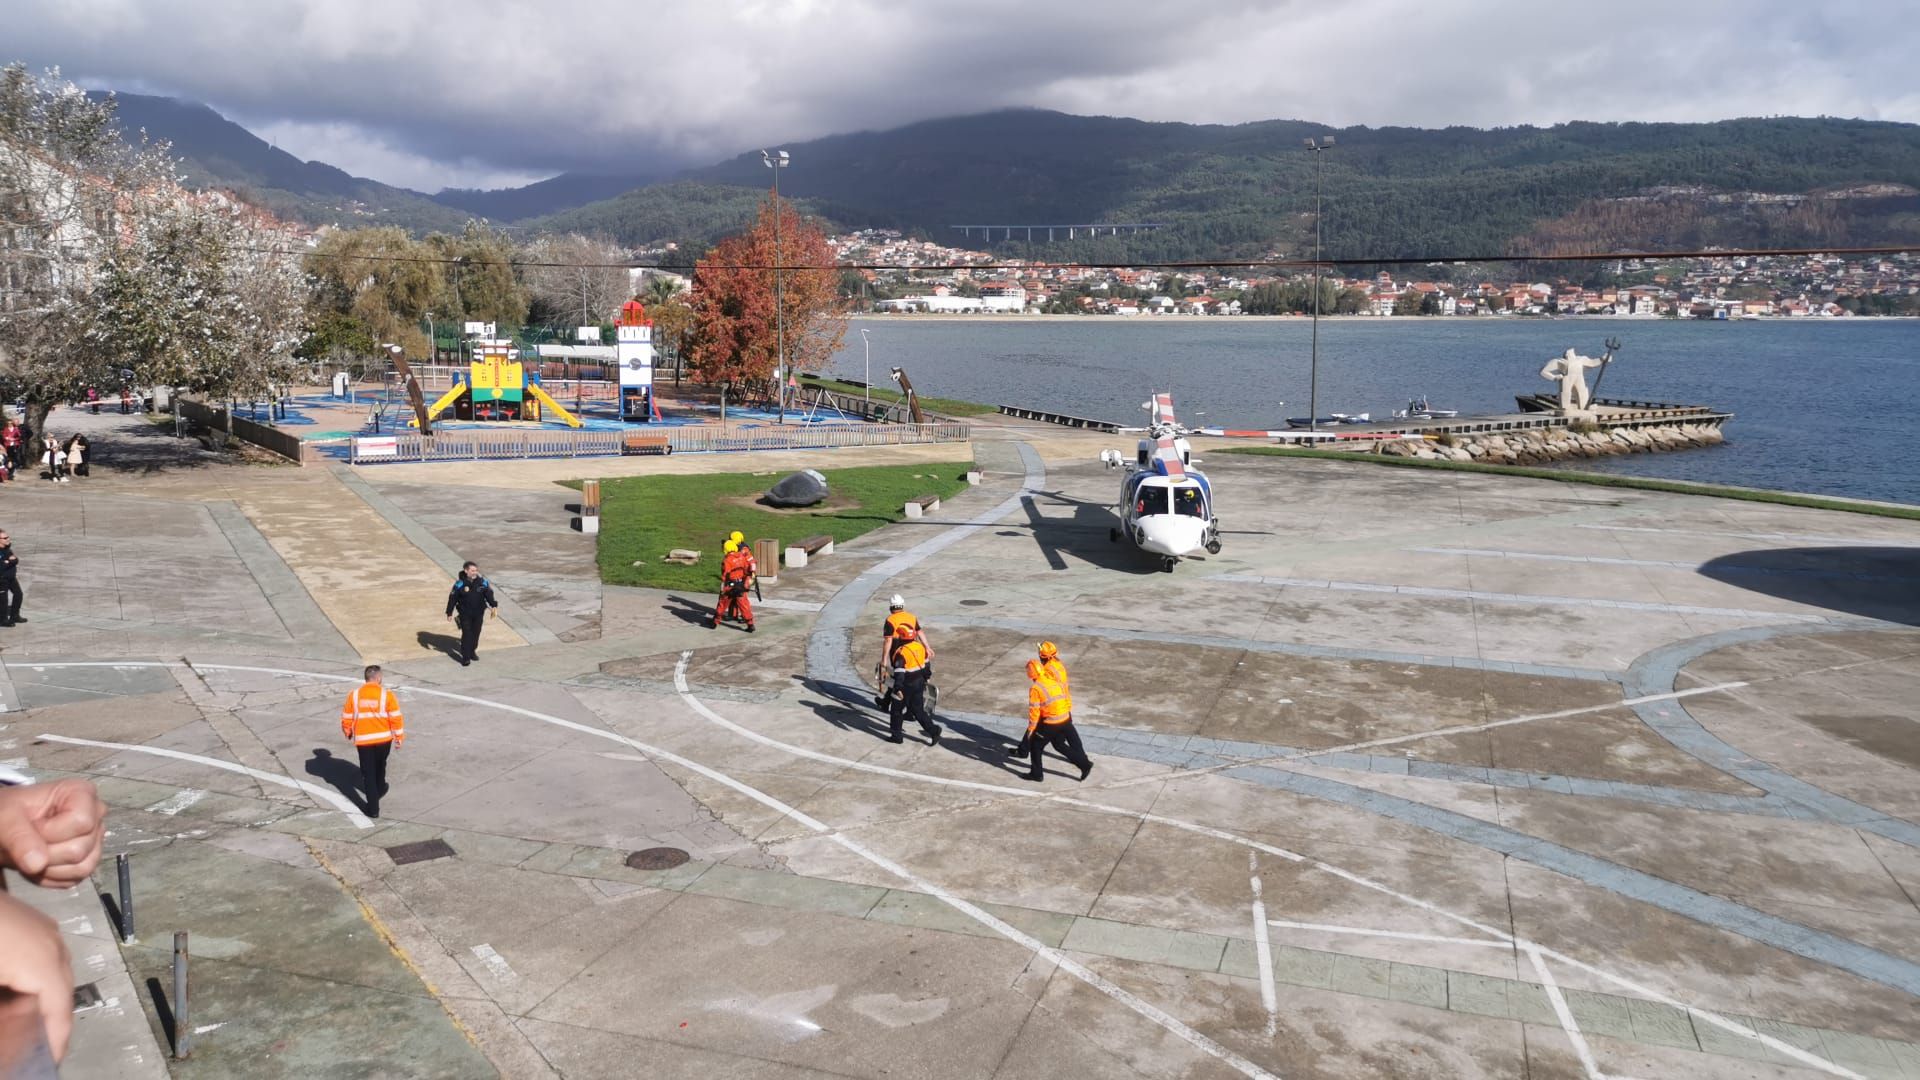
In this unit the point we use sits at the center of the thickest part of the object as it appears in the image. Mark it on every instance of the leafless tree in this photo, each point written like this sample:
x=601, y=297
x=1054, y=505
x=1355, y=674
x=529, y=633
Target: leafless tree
x=577, y=275
x=70, y=189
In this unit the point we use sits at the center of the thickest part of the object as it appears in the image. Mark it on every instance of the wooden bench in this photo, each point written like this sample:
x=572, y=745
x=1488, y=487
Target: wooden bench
x=646, y=444
x=915, y=508
x=799, y=553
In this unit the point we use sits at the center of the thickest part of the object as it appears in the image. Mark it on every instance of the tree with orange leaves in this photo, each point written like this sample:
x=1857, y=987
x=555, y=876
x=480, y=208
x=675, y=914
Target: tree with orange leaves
x=733, y=302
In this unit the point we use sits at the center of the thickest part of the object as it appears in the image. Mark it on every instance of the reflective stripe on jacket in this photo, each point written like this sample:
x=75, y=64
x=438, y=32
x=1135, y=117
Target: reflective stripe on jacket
x=371, y=716
x=1048, y=699
x=899, y=619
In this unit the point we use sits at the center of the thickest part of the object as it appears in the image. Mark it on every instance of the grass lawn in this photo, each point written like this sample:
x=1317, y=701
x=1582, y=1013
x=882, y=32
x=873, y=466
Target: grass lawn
x=1571, y=476
x=644, y=517
x=944, y=406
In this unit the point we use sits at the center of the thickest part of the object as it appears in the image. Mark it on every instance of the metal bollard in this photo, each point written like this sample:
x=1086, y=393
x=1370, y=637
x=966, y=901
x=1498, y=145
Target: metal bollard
x=182, y=1021
x=124, y=864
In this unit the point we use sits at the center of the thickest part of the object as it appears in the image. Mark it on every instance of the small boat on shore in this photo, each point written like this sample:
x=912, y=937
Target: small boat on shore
x=1420, y=409
x=1330, y=420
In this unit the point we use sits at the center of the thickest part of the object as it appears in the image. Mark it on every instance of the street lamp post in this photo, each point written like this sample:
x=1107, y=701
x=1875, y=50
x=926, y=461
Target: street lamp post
x=1313, y=375
x=867, y=392
x=776, y=161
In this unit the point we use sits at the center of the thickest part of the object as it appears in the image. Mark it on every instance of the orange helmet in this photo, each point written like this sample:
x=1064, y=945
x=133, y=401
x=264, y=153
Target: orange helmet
x=1048, y=651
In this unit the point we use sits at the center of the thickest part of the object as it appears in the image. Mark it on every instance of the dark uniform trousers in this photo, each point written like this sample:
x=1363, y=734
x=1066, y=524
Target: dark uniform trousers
x=373, y=772
x=909, y=699
x=470, y=632
x=10, y=596
x=1065, y=740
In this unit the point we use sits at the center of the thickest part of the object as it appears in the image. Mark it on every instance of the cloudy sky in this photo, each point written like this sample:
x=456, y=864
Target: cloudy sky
x=431, y=93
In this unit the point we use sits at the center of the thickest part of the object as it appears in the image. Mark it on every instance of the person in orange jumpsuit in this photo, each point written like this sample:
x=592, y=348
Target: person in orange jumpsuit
x=736, y=580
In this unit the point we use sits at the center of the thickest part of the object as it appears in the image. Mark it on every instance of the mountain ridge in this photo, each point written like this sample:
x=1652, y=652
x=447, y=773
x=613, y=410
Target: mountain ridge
x=1221, y=190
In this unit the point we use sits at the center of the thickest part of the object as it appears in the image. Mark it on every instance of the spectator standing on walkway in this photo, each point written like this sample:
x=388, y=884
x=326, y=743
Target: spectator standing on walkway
x=77, y=448
x=472, y=599
x=371, y=720
x=9, y=582
x=54, y=458
x=13, y=441
x=1050, y=714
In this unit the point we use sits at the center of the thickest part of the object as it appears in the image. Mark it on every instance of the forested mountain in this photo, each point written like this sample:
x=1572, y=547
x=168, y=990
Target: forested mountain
x=216, y=152
x=548, y=196
x=1220, y=191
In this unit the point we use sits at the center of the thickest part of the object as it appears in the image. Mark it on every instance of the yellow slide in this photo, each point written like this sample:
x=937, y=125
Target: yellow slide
x=446, y=399
x=540, y=393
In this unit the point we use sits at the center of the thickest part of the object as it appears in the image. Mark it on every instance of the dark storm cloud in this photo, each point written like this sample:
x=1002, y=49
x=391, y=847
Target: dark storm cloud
x=492, y=91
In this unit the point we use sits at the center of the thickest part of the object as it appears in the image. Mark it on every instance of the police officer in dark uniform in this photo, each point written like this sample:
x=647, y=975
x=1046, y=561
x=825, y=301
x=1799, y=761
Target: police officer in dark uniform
x=9, y=582
x=472, y=596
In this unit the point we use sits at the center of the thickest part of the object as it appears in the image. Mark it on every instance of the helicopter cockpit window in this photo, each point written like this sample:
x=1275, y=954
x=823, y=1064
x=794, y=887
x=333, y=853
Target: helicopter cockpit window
x=1187, y=501
x=1149, y=500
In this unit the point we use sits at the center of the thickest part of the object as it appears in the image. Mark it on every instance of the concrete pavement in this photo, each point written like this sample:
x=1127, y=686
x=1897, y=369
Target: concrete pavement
x=1422, y=776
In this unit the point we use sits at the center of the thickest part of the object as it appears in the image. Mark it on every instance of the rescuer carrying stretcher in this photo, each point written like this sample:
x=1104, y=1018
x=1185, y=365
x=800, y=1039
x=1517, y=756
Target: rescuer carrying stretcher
x=736, y=578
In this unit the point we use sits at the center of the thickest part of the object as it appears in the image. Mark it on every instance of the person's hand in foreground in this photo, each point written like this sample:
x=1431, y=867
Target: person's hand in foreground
x=33, y=963
x=51, y=833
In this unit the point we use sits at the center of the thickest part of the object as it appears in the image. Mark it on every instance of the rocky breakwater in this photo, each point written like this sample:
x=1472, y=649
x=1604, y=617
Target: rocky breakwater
x=1537, y=446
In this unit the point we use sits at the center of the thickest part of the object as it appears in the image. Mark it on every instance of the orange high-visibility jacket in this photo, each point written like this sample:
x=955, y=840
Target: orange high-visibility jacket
x=911, y=656
x=898, y=619
x=371, y=716
x=1048, y=701
x=736, y=567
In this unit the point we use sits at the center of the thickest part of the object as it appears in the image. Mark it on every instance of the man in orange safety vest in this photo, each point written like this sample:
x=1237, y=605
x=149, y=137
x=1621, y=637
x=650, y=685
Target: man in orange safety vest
x=1050, y=714
x=371, y=720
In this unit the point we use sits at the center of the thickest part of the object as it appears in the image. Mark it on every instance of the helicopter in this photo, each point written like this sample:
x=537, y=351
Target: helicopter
x=1166, y=505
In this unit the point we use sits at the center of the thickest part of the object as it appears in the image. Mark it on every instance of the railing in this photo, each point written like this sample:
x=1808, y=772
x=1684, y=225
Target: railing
x=1059, y=418
x=516, y=444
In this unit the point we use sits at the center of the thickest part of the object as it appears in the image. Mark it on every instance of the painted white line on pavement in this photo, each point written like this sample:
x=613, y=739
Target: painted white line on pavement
x=1774, y=1044
x=332, y=798
x=1580, y=1048
x=496, y=963
x=973, y=911
x=1262, y=950
x=1777, y=1045
x=177, y=802
x=1397, y=935
x=1396, y=740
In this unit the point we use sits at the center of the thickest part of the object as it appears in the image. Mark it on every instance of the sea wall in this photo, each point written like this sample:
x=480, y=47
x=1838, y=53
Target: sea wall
x=1541, y=445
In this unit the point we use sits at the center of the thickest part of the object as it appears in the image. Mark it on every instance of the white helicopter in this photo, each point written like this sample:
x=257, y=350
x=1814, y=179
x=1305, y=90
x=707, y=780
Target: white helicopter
x=1166, y=505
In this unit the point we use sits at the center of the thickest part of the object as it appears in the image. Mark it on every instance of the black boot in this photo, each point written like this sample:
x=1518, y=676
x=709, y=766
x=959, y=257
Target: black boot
x=933, y=736
x=1035, y=775
x=1085, y=769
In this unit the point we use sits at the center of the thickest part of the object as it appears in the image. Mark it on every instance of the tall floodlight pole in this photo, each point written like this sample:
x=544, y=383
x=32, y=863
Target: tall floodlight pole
x=868, y=391
x=1313, y=373
x=776, y=161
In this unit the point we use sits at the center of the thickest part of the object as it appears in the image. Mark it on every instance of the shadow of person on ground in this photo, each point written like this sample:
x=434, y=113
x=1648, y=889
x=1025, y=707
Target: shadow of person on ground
x=688, y=611
x=1871, y=582
x=852, y=709
x=442, y=643
x=343, y=776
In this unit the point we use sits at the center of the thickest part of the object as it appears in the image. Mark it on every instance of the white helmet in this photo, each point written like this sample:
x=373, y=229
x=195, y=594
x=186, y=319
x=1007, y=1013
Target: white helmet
x=897, y=602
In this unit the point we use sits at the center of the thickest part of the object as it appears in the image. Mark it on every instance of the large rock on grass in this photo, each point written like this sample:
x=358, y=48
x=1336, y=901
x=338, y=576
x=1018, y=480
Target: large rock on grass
x=804, y=488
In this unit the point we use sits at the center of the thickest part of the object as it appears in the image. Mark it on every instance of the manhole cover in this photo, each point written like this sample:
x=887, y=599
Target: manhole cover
x=973, y=603
x=419, y=851
x=87, y=996
x=657, y=858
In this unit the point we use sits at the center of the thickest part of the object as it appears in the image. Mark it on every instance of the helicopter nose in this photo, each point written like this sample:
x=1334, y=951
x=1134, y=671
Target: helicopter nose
x=1172, y=536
